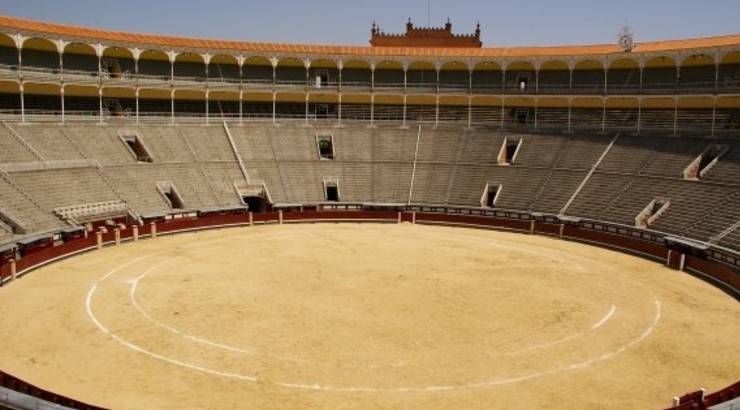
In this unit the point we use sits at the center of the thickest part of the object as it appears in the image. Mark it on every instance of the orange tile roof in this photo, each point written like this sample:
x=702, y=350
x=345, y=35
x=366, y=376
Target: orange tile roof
x=151, y=40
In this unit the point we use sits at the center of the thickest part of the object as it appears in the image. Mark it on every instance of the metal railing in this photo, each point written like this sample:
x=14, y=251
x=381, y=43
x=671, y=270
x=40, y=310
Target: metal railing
x=50, y=74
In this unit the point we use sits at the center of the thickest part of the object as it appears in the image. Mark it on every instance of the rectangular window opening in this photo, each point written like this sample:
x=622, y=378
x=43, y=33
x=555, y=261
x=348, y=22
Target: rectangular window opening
x=325, y=146
x=331, y=192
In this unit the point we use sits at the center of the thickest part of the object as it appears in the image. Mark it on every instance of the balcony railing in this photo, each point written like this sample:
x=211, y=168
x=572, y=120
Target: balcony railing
x=81, y=77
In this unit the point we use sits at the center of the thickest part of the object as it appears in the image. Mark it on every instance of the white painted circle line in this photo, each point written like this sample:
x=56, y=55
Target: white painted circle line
x=601, y=323
x=360, y=389
x=137, y=306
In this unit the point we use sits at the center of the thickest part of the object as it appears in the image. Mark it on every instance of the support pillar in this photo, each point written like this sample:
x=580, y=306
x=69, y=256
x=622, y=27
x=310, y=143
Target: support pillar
x=682, y=262
x=668, y=258
x=280, y=216
x=403, y=121
x=372, y=110
x=531, y=227
x=172, y=85
x=436, y=114
x=560, y=231
x=675, y=116
x=470, y=111
x=339, y=110
x=603, y=119
x=135, y=229
x=405, y=94
x=251, y=219
x=714, y=114
x=172, y=107
x=117, y=235
x=400, y=217
x=99, y=237
x=154, y=230
x=413, y=218
x=63, y=109
x=100, y=105
x=23, y=105
x=137, y=105
x=307, y=107
x=570, y=114
x=274, y=108
x=13, y=270
x=241, y=90
x=208, y=104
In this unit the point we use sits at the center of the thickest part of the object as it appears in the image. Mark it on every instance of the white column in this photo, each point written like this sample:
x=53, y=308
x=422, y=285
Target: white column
x=405, y=85
x=137, y=104
x=61, y=90
x=100, y=103
x=470, y=111
x=274, y=106
x=241, y=90
x=503, y=97
x=241, y=106
x=436, y=113
x=307, y=65
x=714, y=113
x=339, y=110
x=306, y=113
x=172, y=86
x=372, y=109
x=372, y=95
x=603, y=118
x=570, y=113
x=20, y=84
x=675, y=115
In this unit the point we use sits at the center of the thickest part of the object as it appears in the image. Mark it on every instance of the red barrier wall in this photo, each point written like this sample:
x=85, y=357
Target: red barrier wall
x=4, y=271
x=714, y=270
x=726, y=394
x=547, y=229
x=652, y=249
x=44, y=255
x=457, y=219
x=694, y=401
x=341, y=216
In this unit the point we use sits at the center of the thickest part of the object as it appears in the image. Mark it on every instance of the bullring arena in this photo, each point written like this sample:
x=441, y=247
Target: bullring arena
x=426, y=223
x=365, y=316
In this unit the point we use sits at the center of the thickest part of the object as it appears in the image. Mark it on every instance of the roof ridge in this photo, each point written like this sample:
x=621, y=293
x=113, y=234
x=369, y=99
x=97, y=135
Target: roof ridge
x=15, y=23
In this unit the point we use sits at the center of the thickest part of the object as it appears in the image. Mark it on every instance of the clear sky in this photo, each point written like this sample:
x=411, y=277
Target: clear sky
x=509, y=23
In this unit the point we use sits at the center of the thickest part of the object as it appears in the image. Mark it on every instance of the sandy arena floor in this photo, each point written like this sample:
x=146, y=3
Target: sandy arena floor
x=367, y=317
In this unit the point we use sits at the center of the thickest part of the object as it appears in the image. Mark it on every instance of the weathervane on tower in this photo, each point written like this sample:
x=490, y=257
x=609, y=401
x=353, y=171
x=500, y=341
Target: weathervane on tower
x=625, y=39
